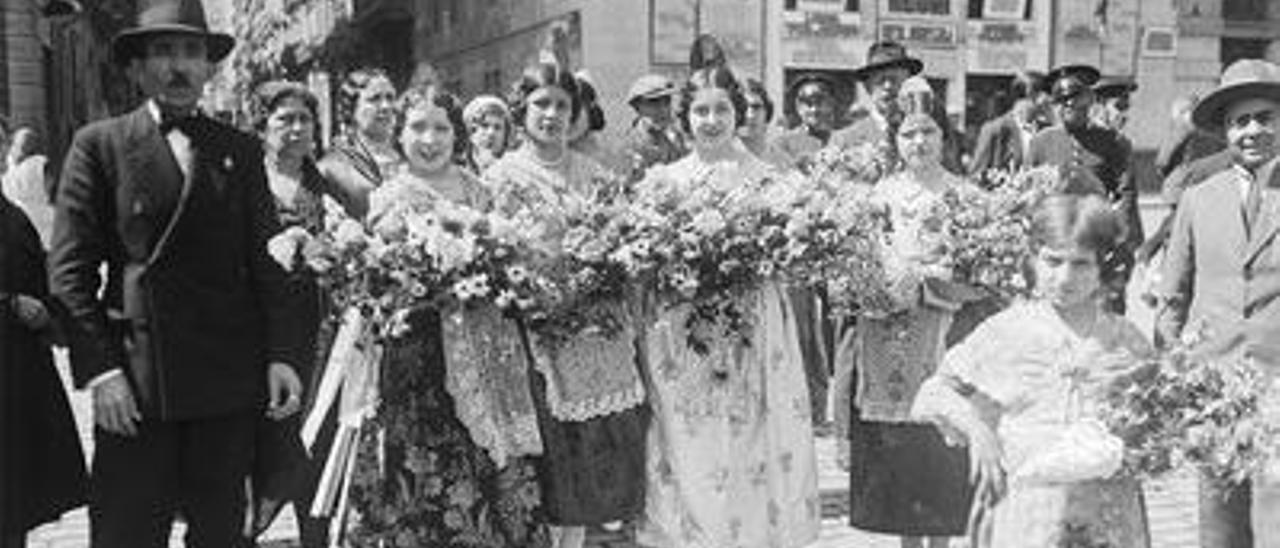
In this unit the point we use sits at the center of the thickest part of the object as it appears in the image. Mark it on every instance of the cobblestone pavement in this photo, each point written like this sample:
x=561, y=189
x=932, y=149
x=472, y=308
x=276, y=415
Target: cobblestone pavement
x=1171, y=503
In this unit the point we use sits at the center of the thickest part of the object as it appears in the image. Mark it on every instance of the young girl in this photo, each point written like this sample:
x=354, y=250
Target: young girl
x=1023, y=390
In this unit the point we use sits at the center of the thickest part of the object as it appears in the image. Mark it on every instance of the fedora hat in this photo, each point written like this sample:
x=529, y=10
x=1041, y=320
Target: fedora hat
x=1244, y=79
x=170, y=17
x=886, y=55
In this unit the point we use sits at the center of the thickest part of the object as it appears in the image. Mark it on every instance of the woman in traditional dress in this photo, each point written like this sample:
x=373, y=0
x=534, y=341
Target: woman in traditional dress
x=588, y=389
x=489, y=123
x=287, y=117
x=731, y=452
x=1024, y=388
x=364, y=156
x=42, y=470
x=449, y=462
x=904, y=480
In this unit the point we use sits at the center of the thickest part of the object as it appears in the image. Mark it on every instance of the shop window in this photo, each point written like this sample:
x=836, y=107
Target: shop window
x=1235, y=49
x=1000, y=9
x=821, y=5
x=1244, y=10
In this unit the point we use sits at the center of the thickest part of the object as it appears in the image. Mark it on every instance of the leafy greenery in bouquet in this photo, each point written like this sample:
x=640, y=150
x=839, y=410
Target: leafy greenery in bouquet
x=838, y=167
x=985, y=234
x=708, y=244
x=1205, y=413
x=580, y=285
x=445, y=255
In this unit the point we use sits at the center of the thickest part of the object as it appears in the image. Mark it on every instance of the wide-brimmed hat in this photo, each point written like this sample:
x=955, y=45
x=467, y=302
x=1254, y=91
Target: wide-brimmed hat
x=1115, y=86
x=1244, y=79
x=886, y=55
x=170, y=17
x=650, y=86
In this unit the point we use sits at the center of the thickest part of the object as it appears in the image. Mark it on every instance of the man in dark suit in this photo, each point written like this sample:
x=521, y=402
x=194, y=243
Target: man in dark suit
x=189, y=341
x=1221, y=277
x=1002, y=142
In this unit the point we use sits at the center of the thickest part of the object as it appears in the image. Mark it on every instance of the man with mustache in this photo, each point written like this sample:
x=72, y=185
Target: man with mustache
x=189, y=343
x=1221, y=276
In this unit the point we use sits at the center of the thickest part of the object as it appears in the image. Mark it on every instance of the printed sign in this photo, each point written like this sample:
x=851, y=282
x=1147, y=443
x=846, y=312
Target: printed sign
x=927, y=35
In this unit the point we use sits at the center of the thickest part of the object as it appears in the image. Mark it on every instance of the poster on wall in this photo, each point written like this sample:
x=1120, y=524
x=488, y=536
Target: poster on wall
x=1004, y=9
x=1159, y=42
x=824, y=39
x=1001, y=47
x=500, y=61
x=738, y=24
x=919, y=34
x=673, y=27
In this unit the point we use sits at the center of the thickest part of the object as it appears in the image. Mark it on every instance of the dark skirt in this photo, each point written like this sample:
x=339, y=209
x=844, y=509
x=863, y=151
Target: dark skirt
x=42, y=468
x=905, y=480
x=591, y=472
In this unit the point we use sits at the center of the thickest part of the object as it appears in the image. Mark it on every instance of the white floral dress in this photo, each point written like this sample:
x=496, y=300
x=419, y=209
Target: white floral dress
x=731, y=452
x=1042, y=377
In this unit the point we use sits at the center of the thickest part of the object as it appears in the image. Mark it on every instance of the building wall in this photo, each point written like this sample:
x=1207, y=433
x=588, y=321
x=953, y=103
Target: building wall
x=476, y=47
x=23, y=81
x=1170, y=48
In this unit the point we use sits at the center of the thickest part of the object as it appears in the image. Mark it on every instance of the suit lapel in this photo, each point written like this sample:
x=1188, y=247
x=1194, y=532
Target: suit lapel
x=152, y=166
x=1266, y=223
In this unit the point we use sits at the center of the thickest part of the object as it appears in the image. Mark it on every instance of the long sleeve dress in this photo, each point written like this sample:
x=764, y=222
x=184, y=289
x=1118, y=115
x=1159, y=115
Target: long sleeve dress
x=731, y=450
x=42, y=469
x=428, y=474
x=903, y=478
x=589, y=394
x=1042, y=377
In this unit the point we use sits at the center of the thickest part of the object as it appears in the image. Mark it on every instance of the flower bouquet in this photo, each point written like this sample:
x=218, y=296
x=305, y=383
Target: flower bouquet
x=837, y=167
x=985, y=235
x=1195, y=411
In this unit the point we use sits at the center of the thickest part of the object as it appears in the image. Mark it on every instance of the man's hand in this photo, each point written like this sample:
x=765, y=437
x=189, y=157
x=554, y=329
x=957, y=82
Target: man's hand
x=114, y=408
x=284, y=389
x=30, y=311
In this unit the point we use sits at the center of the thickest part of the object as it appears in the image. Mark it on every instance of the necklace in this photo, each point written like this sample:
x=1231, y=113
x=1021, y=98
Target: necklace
x=552, y=164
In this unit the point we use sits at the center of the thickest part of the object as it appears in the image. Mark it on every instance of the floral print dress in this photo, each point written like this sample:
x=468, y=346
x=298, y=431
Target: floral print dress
x=421, y=479
x=731, y=450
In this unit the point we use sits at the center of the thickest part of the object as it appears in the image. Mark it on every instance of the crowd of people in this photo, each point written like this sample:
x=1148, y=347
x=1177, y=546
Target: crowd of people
x=148, y=259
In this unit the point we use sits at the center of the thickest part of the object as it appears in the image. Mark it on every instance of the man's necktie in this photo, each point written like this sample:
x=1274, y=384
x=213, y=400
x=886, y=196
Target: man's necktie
x=1252, y=203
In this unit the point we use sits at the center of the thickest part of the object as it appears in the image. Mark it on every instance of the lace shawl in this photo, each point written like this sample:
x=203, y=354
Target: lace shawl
x=488, y=379
x=591, y=375
x=896, y=354
x=487, y=371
